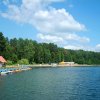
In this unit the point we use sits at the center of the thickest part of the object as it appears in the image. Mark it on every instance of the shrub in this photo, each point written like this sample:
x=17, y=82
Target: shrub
x=9, y=62
x=23, y=61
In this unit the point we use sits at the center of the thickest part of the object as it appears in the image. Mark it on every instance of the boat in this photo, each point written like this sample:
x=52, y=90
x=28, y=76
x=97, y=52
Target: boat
x=10, y=71
x=4, y=73
x=54, y=65
x=17, y=70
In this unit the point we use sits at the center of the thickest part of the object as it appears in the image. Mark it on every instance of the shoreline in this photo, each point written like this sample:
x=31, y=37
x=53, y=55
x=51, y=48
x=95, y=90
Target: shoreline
x=47, y=65
x=20, y=68
x=10, y=70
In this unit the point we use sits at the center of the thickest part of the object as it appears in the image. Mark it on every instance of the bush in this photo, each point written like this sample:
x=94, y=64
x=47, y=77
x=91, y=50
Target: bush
x=23, y=61
x=9, y=62
x=33, y=63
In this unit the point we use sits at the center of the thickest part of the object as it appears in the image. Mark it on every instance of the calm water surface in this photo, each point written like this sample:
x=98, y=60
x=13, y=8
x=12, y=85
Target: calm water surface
x=69, y=83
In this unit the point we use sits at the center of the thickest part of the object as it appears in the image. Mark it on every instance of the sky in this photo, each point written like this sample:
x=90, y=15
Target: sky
x=72, y=24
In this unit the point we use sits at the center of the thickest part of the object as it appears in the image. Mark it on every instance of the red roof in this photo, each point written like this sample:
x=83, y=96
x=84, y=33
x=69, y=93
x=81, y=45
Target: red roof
x=2, y=60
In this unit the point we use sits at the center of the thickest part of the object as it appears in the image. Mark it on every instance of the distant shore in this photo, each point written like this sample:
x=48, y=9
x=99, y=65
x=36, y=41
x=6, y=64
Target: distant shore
x=48, y=65
x=19, y=68
x=58, y=65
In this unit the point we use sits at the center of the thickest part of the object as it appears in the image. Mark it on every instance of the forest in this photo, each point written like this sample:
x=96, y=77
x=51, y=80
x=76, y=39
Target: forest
x=17, y=50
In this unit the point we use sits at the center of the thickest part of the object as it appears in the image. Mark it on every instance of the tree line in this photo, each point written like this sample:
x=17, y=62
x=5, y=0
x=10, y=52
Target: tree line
x=15, y=50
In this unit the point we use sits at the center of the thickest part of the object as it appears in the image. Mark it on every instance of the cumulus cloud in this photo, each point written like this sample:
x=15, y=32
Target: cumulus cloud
x=74, y=47
x=80, y=47
x=53, y=25
x=75, y=37
x=45, y=20
x=98, y=45
x=62, y=38
x=97, y=48
x=49, y=38
x=55, y=21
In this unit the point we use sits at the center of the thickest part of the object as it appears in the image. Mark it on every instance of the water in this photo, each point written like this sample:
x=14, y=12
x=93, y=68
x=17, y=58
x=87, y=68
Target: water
x=68, y=83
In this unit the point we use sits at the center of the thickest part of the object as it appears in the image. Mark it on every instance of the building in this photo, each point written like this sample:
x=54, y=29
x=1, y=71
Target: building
x=66, y=63
x=2, y=61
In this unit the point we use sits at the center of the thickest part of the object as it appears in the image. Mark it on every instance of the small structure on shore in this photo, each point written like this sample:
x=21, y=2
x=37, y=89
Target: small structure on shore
x=66, y=63
x=2, y=61
x=54, y=64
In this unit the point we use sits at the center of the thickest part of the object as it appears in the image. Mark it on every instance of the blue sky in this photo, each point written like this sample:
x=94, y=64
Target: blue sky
x=72, y=24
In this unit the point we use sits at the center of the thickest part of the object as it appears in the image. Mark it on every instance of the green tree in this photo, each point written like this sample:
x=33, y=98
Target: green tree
x=2, y=44
x=23, y=61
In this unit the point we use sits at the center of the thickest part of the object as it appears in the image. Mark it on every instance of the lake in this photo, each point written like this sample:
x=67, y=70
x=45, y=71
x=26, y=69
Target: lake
x=67, y=83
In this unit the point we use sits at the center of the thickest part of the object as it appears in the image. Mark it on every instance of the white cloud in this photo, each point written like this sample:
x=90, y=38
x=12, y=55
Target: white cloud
x=80, y=47
x=56, y=21
x=36, y=4
x=98, y=45
x=75, y=37
x=97, y=48
x=56, y=25
x=67, y=37
x=74, y=47
x=49, y=38
x=44, y=20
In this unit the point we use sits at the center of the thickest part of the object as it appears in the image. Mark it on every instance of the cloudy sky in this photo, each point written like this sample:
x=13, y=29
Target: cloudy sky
x=72, y=24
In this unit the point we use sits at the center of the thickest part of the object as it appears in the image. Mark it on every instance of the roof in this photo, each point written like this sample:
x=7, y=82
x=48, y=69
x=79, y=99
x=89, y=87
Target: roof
x=2, y=60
